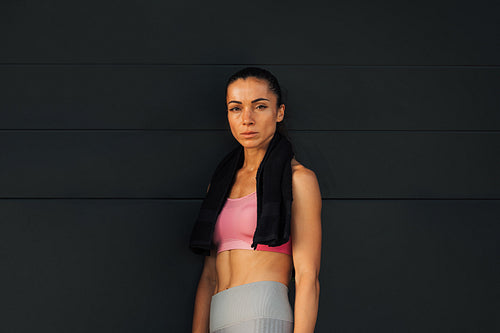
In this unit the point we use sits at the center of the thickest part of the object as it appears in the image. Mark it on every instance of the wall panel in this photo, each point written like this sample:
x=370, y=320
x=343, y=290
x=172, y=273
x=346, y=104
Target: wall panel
x=192, y=97
x=100, y=265
x=320, y=32
x=179, y=164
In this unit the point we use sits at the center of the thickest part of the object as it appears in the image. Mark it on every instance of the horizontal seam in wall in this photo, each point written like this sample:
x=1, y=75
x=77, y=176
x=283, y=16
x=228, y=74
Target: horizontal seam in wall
x=336, y=66
x=200, y=199
x=225, y=130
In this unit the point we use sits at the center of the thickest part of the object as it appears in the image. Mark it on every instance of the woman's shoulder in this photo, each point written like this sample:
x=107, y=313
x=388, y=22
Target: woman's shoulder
x=302, y=177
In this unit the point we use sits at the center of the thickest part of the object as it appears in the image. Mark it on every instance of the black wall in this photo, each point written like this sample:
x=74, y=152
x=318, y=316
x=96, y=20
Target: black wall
x=112, y=120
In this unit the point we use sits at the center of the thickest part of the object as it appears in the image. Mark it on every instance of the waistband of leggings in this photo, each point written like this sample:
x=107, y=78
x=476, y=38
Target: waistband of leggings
x=251, y=301
x=252, y=285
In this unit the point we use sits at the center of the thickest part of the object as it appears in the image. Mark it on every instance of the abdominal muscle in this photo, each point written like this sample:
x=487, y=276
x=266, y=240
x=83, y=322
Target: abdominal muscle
x=237, y=267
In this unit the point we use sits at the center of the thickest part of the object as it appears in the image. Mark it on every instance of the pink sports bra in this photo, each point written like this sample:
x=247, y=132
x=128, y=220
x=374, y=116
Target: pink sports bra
x=236, y=225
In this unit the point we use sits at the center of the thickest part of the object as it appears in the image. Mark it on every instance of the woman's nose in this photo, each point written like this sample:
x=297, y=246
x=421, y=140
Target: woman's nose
x=247, y=117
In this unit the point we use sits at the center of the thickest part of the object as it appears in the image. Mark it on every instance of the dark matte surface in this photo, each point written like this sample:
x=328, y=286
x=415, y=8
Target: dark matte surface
x=425, y=32
x=97, y=265
x=192, y=97
x=179, y=164
x=72, y=265
x=410, y=266
x=112, y=120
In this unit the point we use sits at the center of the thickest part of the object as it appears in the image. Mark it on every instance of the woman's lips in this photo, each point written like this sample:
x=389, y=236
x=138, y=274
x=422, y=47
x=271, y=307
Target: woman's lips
x=248, y=134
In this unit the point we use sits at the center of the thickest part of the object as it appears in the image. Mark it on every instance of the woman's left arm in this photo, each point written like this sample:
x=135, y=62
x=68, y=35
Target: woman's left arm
x=306, y=242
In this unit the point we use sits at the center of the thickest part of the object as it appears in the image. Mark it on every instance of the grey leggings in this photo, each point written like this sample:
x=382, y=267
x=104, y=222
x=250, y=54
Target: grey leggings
x=257, y=307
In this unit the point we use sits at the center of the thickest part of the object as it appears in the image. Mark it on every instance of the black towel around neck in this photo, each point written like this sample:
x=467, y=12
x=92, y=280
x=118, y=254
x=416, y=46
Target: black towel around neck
x=274, y=196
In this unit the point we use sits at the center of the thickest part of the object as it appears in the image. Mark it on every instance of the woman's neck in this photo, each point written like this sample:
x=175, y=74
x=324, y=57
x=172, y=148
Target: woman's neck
x=253, y=158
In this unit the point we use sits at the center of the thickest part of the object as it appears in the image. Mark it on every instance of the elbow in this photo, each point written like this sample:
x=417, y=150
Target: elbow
x=309, y=275
x=209, y=279
x=307, y=280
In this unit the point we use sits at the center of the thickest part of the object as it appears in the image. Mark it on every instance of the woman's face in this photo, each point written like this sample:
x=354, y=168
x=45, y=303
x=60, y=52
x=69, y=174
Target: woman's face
x=251, y=107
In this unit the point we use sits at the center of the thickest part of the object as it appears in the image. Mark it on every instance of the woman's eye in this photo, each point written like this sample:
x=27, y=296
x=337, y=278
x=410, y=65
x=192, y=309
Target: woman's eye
x=234, y=109
x=261, y=107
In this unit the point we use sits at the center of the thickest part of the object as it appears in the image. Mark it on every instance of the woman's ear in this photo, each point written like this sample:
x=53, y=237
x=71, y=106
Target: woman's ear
x=281, y=113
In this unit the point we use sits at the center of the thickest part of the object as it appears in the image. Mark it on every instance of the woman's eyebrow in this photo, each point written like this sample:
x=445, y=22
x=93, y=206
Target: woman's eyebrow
x=255, y=100
x=260, y=99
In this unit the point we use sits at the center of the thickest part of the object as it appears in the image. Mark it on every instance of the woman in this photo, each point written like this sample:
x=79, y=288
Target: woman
x=252, y=244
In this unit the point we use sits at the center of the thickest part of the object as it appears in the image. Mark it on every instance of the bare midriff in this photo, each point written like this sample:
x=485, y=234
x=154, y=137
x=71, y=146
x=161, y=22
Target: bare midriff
x=237, y=267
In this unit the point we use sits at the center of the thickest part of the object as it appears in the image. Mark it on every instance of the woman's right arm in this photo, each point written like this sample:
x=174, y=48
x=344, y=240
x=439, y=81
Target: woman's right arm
x=206, y=287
